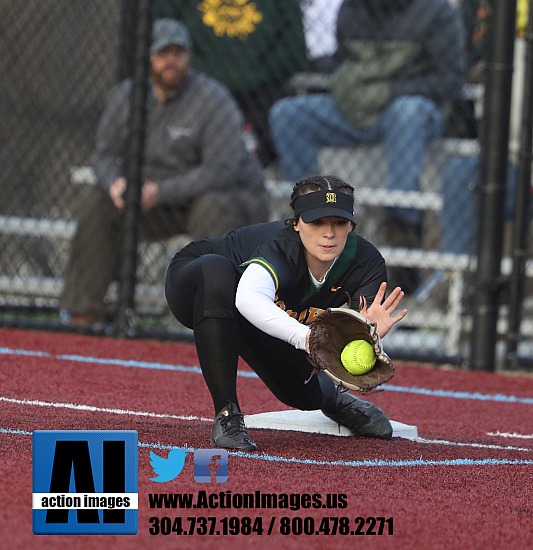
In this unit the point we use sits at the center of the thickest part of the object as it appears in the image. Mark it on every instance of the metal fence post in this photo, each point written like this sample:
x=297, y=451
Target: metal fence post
x=495, y=139
x=130, y=234
x=522, y=217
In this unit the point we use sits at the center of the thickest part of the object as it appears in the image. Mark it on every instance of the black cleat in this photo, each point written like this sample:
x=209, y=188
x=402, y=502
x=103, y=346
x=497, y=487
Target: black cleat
x=361, y=417
x=229, y=431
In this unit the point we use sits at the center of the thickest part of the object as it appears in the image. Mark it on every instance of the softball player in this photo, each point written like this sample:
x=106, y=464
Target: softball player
x=253, y=293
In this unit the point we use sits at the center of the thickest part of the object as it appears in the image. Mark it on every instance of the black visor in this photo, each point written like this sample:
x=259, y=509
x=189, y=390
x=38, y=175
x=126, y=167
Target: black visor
x=322, y=204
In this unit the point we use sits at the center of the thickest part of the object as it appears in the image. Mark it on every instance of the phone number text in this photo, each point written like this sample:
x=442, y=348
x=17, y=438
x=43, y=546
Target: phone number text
x=234, y=525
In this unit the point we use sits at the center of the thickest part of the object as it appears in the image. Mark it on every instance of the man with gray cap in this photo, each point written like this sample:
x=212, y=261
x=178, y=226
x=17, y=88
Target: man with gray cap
x=199, y=179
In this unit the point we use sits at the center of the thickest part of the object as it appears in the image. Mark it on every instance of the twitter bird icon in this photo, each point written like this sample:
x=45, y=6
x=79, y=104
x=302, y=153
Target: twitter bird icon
x=166, y=469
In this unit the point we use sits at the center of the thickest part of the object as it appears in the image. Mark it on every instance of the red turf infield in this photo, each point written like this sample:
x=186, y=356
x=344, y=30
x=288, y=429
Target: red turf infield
x=439, y=501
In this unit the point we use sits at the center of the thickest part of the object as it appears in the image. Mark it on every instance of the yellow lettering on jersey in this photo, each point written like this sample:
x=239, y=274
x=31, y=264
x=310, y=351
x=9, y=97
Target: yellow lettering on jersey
x=289, y=312
x=314, y=312
x=233, y=18
x=305, y=317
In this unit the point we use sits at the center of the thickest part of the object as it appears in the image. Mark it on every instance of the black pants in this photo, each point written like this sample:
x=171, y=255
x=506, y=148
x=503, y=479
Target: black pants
x=201, y=295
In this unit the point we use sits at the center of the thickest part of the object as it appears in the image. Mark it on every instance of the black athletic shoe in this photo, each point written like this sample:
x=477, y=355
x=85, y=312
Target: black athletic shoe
x=361, y=417
x=229, y=431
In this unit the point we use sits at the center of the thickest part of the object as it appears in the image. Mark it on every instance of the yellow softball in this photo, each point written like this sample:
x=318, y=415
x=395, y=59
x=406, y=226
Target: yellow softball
x=358, y=357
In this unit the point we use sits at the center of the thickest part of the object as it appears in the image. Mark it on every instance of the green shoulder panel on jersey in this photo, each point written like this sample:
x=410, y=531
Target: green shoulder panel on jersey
x=341, y=265
x=346, y=258
x=267, y=265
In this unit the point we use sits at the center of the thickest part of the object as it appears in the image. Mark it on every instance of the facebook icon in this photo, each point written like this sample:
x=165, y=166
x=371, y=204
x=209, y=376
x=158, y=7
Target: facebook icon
x=210, y=465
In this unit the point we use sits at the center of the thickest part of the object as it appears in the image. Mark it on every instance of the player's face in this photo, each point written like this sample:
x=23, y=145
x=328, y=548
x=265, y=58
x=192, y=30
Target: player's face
x=170, y=67
x=323, y=239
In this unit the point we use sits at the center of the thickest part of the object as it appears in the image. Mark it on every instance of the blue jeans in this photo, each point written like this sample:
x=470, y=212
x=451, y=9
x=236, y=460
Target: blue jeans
x=461, y=197
x=300, y=125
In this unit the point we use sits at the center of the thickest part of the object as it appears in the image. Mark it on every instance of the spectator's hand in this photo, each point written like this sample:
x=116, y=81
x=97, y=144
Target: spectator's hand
x=116, y=192
x=150, y=195
x=381, y=311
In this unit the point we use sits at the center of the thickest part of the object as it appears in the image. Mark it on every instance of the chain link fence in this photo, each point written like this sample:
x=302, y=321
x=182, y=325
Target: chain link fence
x=59, y=59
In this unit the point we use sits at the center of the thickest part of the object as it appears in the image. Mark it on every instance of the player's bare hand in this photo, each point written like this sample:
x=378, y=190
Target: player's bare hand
x=116, y=192
x=382, y=311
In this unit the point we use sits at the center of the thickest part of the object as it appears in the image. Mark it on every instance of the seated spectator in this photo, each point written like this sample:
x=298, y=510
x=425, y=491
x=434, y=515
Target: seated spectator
x=199, y=178
x=398, y=64
x=461, y=186
x=252, y=47
x=461, y=183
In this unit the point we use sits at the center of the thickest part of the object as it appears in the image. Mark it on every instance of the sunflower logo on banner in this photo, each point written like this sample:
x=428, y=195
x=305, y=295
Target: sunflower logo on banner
x=233, y=18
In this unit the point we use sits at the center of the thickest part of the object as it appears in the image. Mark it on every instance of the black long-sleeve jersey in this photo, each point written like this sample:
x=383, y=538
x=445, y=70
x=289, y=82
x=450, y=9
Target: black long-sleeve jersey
x=358, y=271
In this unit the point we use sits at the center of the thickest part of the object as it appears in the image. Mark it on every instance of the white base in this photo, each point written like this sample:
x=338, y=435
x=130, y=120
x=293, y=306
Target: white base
x=315, y=422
